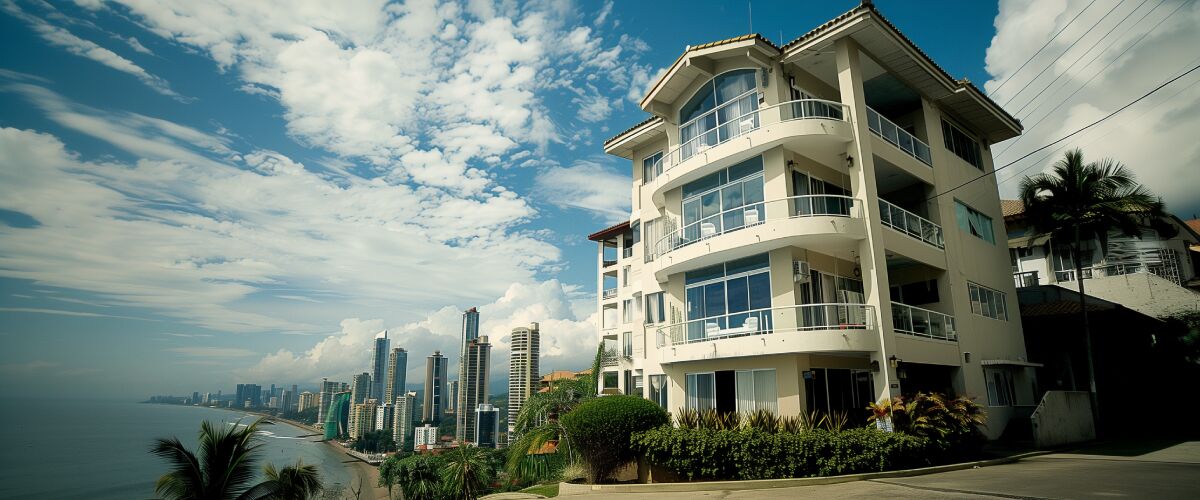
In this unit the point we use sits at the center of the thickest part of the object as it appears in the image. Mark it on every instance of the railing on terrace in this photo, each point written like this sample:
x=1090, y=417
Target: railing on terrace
x=1104, y=271
x=716, y=126
x=1025, y=279
x=609, y=357
x=756, y=213
x=899, y=137
x=920, y=322
x=609, y=293
x=806, y=317
x=911, y=224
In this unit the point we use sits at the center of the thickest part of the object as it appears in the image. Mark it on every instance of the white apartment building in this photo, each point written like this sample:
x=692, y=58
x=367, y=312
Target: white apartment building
x=795, y=242
x=426, y=435
x=523, y=365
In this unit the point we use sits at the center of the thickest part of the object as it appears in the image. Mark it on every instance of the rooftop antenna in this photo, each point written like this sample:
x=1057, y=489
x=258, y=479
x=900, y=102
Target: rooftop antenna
x=750, y=9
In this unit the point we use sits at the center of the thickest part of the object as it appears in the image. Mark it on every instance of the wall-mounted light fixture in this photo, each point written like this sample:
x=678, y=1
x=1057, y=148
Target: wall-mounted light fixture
x=849, y=161
x=966, y=357
x=894, y=362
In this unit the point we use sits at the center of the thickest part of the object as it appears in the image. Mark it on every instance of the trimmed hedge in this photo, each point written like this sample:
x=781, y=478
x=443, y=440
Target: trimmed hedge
x=704, y=454
x=601, y=428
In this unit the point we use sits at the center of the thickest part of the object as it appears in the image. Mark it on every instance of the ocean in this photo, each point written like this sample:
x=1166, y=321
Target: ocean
x=63, y=449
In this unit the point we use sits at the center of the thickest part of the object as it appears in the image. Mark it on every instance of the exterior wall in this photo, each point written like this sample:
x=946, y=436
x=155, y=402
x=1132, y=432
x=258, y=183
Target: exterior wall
x=522, y=370
x=1063, y=417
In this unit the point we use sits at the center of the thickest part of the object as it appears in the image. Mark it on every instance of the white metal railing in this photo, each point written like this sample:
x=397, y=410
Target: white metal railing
x=921, y=322
x=724, y=129
x=1025, y=279
x=1107, y=270
x=756, y=213
x=765, y=321
x=911, y=224
x=609, y=357
x=899, y=137
x=609, y=293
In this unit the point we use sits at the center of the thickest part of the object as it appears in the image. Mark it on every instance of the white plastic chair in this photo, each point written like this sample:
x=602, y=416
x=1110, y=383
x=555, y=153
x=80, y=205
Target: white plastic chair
x=707, y=230
x=751, y=216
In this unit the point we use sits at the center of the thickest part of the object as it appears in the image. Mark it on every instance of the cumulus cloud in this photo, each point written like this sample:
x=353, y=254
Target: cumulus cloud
x=587, y=185
x=1116, y=59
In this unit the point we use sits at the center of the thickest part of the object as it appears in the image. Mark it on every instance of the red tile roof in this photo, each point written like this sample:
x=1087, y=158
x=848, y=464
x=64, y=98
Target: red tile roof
x=1012, y=207
x=609, y=232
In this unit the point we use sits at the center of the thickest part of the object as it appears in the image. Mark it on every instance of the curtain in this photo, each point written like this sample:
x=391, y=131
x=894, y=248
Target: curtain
x=700, y=391
x=765, y=395
x=745, y=392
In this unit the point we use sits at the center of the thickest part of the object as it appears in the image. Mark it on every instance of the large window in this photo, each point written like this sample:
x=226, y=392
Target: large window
x=655, y=310
x=701, y=391
x=728, y=391
x=719, y=110
x=974, y=222
x=651, y=167
x=724, y=200
x=658, y=390
x=987, y=302
x=627, y=311
x=1000, y=387
x=756, y=391
x=961, y=144
x=627, y=344
x=729, y=299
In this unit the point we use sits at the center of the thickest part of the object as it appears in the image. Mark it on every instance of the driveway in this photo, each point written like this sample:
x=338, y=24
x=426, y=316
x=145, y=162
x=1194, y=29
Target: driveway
x=1137, y=470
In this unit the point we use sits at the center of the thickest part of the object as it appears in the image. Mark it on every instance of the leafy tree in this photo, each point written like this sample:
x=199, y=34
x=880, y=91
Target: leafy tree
x=308, y=416
x=600, y=429
x=1078, y=200
x=374, y=442
x=467, y=472
x=419, y=477
x=294, y=482
x=388, y=472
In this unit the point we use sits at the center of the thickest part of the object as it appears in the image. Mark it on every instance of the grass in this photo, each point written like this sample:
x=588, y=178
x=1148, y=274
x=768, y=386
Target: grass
x=546, y=490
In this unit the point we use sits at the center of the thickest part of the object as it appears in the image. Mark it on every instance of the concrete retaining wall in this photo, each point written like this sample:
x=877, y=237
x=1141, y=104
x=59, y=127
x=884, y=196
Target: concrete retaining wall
x=1063, y=417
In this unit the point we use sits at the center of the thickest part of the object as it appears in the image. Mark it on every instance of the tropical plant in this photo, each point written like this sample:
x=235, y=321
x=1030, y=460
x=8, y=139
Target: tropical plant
x=687, y=418
x=600, y=429
x=952, y=425
x=223, y=468
x=837, y=421
x=389, y=472
x=294, y=482
x=762, y=419
x=379, y=441
x=467, y=472
x=1078, y=200
x=419, y=477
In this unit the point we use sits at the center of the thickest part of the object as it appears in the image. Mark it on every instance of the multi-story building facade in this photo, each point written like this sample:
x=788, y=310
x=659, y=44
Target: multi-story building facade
x=425, y=435
x=402, y=418
x=435, y=387
x=328, y=389
x=452, y=401
x=473, y=387
x=379, y=369
x=523, y=366
x=397, y=368
x=362, y=418
x=360, y=388
x=807, y=232
x=487, y=426
x=307, y=400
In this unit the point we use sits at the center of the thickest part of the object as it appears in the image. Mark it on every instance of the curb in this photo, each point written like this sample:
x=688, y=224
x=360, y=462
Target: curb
x=762, y=484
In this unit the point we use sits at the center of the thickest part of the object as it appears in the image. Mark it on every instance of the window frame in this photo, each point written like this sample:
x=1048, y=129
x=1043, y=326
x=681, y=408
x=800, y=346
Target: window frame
x=655, y=308
x=658, y=395
x=649, y=173
x=987, y=302
x=949, y=128
x=691, y=398
x=753, y=377
x=965, y=225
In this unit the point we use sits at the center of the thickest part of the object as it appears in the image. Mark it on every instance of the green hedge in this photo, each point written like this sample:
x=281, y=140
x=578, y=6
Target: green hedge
x=704, y=454
x=600, y=430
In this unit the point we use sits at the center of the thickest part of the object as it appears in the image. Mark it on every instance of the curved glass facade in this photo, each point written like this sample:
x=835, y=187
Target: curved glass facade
x=338, y=416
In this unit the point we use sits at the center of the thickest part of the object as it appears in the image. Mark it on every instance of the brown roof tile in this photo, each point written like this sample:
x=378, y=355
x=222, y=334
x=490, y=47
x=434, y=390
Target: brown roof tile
x=1012, y=207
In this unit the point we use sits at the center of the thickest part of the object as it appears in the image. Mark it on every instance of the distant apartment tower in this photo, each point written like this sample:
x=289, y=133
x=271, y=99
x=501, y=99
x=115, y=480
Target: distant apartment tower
x=453, y=400
x=470, y=332
x=397, y=366
x=487, y=426
x=328, y=389
x=380, y=368
x=307, y=400
x=523, y=357
x=435, y=387
x=383, y=416
x=402, y=418
x=426, y=435
x=473, y=387
x=360, y=388
x=362, y=418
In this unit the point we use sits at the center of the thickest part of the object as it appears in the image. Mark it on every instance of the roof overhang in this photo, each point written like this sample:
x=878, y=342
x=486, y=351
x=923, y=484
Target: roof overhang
x=609, y=232
x=699, y=62
x=879, y=39
x=623, y=144
x=1009, y=362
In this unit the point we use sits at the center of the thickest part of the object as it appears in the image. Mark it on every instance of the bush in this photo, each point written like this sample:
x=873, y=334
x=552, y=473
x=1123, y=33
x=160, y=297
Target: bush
x=706, y=454
x=601, y=428
x=951, y=425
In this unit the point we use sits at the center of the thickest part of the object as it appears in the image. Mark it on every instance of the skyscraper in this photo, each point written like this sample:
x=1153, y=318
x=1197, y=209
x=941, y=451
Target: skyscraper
x=360, y=389
x=362, y=418
x=470, y=331
x=402, y=418
x=487, y=426
x=397, y=366
x=523, y=369
x=452, y=406
x=379, y=375
x=328, y=389
x=435, y=387
x=472, y=387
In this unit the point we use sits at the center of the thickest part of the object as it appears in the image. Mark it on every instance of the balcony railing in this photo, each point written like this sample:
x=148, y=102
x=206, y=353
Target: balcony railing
x=1026, y=279
x=1103, y=271
x=899, y=137
x=765, y=321
x=911, y=224
x=722, y=129
x=919, y=322
x=609, y=293
x=829, y=205
x=609, y=358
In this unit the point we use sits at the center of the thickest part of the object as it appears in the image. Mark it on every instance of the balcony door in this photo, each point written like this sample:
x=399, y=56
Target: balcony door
x=804, y=184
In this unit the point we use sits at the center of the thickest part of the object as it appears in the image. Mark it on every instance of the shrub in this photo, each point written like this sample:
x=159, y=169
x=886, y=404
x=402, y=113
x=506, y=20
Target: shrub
x=600, y=429
x=705, y=454
x=951, y=425
x=762, y=419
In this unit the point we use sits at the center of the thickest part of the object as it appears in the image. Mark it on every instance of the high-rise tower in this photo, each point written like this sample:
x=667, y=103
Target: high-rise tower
x=472, y=387
x=379, y=375
x=397, y=367
x=361, y=388
x=435, y=387
x=522, y=370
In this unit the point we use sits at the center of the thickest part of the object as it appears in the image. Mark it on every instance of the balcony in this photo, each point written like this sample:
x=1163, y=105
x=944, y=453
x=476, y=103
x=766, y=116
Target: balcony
x=1025, y=279
x=816, y=126
x=918, y=322
x=825, y=223
x=892, y=133
x=609, y=293
x=911, y=224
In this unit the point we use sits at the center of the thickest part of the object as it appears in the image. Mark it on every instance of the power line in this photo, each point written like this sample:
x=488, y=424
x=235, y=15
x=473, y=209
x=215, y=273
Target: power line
x=1052, y=63
x=1068, y=136
x=1039, y=51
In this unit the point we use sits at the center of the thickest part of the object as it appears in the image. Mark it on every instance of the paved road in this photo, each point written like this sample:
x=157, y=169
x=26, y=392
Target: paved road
x=1118, y=472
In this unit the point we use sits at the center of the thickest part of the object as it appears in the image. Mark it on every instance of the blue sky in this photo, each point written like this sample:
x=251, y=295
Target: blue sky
x=196, y=195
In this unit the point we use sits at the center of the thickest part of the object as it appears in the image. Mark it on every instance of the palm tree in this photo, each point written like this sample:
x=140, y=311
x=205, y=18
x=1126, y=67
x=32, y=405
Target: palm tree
x=294, y=482
x=223, y=470
x=1076, y=201
x=418, y=477
x=388, y=473
x=467, y=472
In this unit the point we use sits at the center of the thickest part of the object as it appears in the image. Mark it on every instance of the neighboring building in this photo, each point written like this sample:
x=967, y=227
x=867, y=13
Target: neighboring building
x=337, y=415
x=248, y=396
x=426, y=435
x=799, y=240
x=1154, y=273
x=379, y=373
x=487, y=426
x=473, y=387
x=435, y=387
x=384, y=414
x=402, y=418
x=307, y=400
x=397, y=372
x=523, y=370
x=453, y=399
x=362, y=418
x=328, y=389
x=360, y=387
x=470, y=332
x=550, y=378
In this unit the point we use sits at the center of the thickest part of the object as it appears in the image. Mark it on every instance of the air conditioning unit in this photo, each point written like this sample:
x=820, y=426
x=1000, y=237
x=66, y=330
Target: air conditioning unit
x=800, y=272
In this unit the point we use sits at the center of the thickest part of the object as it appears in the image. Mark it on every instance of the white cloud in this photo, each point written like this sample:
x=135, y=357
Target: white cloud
x=587, y=185
x=1155, y=138
x=63, y=38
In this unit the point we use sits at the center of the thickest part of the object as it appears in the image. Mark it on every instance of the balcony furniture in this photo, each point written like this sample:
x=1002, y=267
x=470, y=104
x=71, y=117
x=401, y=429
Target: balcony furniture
x=708, y=230
x=751, y=216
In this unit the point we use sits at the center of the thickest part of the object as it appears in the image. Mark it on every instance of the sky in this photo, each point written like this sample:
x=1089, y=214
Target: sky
x=197, y=194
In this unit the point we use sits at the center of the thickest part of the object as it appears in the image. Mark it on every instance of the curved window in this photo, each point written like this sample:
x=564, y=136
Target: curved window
x=718, y=111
